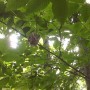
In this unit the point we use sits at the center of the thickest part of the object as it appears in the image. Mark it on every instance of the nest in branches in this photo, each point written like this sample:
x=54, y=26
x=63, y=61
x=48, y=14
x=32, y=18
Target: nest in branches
x=33, y=39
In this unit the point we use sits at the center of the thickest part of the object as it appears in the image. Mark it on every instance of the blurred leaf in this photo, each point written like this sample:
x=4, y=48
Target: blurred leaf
x=4, y=81
x=85, y=12
x=50, y=30
x=72, y=8
x=26, y=29
x=20, y=23
x=40, y=21
x=12, y=81
x=60, y=10
x=2, y=7
x=35, y=5
x=15, y=4
x=19, y=70
x=10, y=22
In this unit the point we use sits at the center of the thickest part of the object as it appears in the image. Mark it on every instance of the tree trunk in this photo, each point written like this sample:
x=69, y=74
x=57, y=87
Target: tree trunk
x=87, y=73
x=88, y=84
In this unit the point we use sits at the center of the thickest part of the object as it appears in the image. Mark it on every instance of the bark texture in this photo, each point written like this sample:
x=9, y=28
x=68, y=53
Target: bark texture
x=87, y=73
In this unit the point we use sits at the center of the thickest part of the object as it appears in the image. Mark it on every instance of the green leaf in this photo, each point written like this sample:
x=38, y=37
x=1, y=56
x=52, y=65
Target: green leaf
x=4, y=81
x=20, y=23
x=41, y=22
x=59, y=8
x=36, y=5
x=15, y=4
x=3, y=45
x=72, y=8
x=19, y=14
x=26, y=29
x=12, y=80
x=85, y=12
x=2, y=7
x=10, y=22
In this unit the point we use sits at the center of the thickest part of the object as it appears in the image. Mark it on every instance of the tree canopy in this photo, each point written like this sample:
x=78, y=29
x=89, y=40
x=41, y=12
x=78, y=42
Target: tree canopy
x=44, y=44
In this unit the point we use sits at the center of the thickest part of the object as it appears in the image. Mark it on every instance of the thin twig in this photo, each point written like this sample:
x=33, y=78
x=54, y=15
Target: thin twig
x=60, y=37
x=52, y=54
x=64, y=62
x=13, y=29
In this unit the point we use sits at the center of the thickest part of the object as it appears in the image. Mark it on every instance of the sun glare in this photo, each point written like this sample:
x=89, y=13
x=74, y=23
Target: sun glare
x=88, y=1
x=65, y=43
x=2, y=36
x=14, y=40
x=51, y=43
x=76, y=49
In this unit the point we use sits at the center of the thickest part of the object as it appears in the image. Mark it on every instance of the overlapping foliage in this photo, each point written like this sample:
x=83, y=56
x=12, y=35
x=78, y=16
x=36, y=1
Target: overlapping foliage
x=45, y=66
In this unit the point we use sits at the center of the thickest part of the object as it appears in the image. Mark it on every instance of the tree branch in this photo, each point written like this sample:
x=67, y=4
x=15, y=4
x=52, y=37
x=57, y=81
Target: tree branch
x=84, y=76
x=13, y=29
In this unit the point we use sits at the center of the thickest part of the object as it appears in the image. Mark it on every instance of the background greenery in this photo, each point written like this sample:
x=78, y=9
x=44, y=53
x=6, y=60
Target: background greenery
x=60, y=60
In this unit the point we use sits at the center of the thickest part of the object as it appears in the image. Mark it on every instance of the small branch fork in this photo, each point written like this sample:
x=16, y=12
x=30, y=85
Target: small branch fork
x=59, y=31
x=78, y=71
